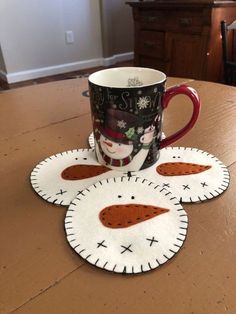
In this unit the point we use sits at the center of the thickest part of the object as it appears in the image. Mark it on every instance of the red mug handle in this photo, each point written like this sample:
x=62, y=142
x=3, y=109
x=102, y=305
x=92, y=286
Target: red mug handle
x=192, y=94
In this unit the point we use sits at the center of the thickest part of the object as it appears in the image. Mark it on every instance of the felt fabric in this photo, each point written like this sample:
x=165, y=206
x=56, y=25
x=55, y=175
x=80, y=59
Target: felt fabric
x=191, y=174
x=126, y=215
x=158, y=233
x=91, y=141
x=59, y=178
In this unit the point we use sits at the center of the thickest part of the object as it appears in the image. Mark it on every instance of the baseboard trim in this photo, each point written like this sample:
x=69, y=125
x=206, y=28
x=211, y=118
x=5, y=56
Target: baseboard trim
x=64, y=68
x=3, y=75
x=118, y=58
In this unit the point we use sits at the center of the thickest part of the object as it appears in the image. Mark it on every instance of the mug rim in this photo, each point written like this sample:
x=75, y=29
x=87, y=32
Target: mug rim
x=92, y=77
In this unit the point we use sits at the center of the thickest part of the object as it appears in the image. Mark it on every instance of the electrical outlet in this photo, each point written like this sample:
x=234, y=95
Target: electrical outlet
x=69, y=36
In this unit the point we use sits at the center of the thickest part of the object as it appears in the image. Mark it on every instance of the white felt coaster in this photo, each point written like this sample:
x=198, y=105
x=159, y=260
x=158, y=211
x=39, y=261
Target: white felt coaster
x=49, y=182
x=126, y=225
x=92, y=143
x=206, y=179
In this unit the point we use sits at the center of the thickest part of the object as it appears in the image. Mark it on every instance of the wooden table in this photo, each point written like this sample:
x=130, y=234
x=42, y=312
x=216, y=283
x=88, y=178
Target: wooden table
x=40, y=273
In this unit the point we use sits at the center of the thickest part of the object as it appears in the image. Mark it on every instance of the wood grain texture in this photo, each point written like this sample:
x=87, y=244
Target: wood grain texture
x=28, y=108
x=41, y=274
x=181, y=38
x=34, y=251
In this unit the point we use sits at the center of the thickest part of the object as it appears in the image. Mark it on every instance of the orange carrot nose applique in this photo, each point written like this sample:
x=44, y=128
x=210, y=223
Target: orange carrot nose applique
x=126, y=215
x=80, y=172
x=180, y=168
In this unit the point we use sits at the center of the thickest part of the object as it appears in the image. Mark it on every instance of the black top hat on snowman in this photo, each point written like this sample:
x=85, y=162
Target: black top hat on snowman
x=119, y=126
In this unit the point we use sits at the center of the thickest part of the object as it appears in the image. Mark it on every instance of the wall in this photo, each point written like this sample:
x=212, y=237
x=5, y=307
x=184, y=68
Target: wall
x=117, y=27
x=36, y=38
x=2, y=63
x=32, y=35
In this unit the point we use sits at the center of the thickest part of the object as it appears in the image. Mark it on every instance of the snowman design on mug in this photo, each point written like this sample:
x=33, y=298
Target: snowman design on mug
x=127, y=106
x=115, y=143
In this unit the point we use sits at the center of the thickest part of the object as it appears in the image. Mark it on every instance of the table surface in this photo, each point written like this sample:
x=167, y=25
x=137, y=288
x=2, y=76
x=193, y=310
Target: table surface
x=40, y=273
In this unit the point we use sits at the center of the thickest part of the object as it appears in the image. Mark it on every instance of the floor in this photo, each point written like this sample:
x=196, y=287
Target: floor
x=64, y=76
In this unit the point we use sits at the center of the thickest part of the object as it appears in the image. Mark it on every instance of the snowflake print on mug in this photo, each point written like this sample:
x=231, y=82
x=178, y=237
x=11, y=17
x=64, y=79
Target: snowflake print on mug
x=121, y=124
x=143, y=102
x=132, y=82
x=140, y=130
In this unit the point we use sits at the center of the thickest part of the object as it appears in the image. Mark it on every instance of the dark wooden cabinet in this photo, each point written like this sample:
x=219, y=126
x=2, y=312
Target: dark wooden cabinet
x=181, y=38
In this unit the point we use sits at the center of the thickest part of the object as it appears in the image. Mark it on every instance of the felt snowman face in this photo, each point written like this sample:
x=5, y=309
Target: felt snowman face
x=191, y=174
x=115, y=150
x=126, y=225
x=59, y=178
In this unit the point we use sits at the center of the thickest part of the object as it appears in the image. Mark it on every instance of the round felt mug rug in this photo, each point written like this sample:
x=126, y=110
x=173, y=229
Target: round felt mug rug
x=59, y=178
x=191, y=174
x=126, y=225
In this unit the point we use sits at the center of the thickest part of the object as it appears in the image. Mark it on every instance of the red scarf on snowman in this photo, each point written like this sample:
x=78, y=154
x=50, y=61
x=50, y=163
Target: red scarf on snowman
x=115, y=162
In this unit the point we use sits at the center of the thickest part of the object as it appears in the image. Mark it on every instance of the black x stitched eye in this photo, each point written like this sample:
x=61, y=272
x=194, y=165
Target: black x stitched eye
x=85, y=158
x=119, y=196
x=132, y=197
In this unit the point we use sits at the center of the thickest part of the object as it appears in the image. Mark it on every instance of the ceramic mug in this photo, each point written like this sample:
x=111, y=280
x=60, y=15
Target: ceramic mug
x=126, y=106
